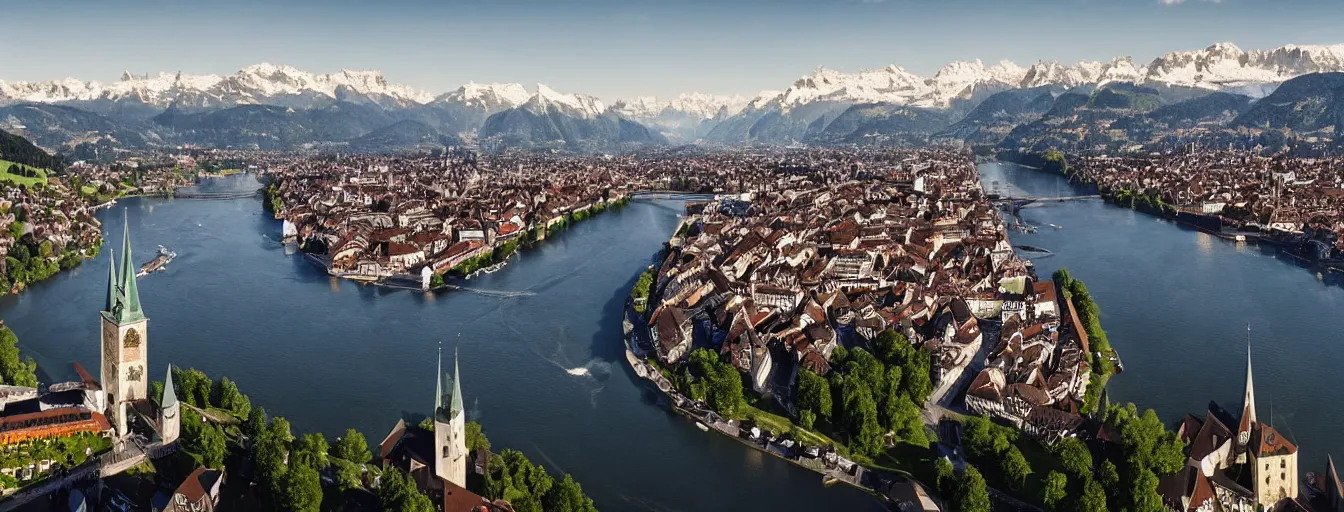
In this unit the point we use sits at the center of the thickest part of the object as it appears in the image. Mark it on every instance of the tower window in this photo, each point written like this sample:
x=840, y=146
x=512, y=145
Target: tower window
x=1283, y=464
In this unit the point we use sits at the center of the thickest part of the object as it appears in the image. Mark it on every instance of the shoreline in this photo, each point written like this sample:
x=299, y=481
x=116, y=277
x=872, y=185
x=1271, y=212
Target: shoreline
x=1256, y=238
x=451, y=282
x=671, y=400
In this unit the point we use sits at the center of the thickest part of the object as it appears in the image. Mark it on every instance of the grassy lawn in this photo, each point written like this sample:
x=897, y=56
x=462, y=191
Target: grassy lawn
x=779, y=424
x=21, y=180
x=88, y=190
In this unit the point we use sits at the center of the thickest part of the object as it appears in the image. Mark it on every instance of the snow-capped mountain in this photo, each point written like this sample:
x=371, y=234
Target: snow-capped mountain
x=694, y=105
x=489, y=97
x=1225, y=65
x=685, y=117
x=256, y=84
x=577, y=105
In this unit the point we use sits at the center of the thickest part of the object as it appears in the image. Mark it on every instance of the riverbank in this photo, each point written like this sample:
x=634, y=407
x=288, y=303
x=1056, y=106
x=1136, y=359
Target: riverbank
x=1289, y=244
x=823, y=460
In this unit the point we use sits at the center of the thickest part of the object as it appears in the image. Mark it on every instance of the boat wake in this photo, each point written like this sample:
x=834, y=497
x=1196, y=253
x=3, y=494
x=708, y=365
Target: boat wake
x=594, y=368
x=497, y=293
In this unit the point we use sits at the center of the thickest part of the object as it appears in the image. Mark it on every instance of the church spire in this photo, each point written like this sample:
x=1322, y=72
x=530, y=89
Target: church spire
x=438, y=384
x=1248, y=420
x=130, y=295
x=111, y=282
x=169, y=397
x=457, y=390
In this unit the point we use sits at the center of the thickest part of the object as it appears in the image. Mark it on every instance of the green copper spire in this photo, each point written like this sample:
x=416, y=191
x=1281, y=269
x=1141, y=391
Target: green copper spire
x=111, y=282
x=457, y=390
x=130, y=296
x=169, y=394
x=438, y=385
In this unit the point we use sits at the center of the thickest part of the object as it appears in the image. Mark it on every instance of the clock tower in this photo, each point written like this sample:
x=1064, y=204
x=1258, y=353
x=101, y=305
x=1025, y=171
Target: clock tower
x=125, y=338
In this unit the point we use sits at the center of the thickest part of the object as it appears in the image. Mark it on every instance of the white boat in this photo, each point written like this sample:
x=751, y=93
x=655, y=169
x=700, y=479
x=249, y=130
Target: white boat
x=701, y=426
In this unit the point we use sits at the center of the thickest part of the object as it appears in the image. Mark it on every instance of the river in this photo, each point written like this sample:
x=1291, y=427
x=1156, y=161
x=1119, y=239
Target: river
x=1175, y=303
x=540, y=344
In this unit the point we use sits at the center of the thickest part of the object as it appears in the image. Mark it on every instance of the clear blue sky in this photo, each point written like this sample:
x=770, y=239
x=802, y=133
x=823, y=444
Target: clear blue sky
x=621, y=48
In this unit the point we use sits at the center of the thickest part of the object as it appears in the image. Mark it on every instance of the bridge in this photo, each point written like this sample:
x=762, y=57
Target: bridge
x=672, y=194
x=1019, y=202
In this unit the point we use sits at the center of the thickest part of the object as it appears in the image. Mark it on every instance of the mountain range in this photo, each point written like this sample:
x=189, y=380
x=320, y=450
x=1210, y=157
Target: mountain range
x=281, y=107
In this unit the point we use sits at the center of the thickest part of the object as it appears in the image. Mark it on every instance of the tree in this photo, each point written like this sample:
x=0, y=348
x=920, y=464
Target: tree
x=985, y=439
x=1093, y=498
x=1144, y=493
x=567, y=496
x=1055, y=490
x=814, y=394
x=861, y=419
x=476, y=439
x=271, y=449
x=15, y=371
x=354, y=448
x=1075, y=457
x=893, y=347
x=310, y=451
x=225, y=395
x=806, y=419
x=1109, y=478
x=204, y=441
x=156, y=391
x=397, y=493
x=1015, y=466
x=302, y=489
x=946, y=478
x=972, y=494
x=723, y=383
x=256, y=422
x=916, y=376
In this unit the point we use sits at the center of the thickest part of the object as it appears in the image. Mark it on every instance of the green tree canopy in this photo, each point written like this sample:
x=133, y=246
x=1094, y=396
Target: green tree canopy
x=1054, y=490
x=397, y=493
x=310, y=451
x=1075, y=457
x=354, y=448
x=1015, y=466
x=302, y=490
x=814, y=393
x=14, y=370
x=567, y=496
x=972, y=494
x=476, y=439
x=1093, y=498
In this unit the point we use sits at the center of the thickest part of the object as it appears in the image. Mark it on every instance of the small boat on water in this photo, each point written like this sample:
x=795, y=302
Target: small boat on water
x=158, y=263
x=701, y=426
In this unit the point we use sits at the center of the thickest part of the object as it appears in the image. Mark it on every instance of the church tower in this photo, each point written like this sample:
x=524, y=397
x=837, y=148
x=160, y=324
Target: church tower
x=169, y=419
x=1248, y=400
x=450, y=428
x=124, y=337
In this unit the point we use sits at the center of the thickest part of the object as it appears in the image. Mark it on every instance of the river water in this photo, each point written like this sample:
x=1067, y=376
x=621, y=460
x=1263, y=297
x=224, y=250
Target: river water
x=1175, y=303
x=540, y=344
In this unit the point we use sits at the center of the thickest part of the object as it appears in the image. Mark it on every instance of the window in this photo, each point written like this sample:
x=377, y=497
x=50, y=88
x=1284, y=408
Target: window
x=1283, y=464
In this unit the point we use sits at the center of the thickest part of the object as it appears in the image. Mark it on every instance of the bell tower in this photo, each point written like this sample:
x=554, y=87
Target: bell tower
x=450, y=428
x=125, y=351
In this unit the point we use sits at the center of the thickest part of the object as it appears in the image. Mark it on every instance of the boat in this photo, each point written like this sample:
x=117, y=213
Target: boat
x=1241, y=238
x=158, y=263
x=701, y=426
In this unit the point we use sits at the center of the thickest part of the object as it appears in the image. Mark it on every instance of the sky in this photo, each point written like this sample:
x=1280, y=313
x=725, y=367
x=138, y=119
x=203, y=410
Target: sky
x=623, y=48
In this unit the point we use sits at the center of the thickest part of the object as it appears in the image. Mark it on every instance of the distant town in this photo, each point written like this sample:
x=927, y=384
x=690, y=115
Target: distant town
x=859, y=312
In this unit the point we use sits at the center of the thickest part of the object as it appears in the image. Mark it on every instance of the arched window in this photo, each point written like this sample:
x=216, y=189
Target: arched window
x=1283, y=464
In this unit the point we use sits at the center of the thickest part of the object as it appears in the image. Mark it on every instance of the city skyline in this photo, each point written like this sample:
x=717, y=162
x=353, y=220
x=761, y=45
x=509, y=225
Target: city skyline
x=616, y=50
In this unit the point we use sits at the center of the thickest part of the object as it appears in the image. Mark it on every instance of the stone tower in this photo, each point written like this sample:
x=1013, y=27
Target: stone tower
x=450, y=428
x=169, y=409
x=125, y=338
